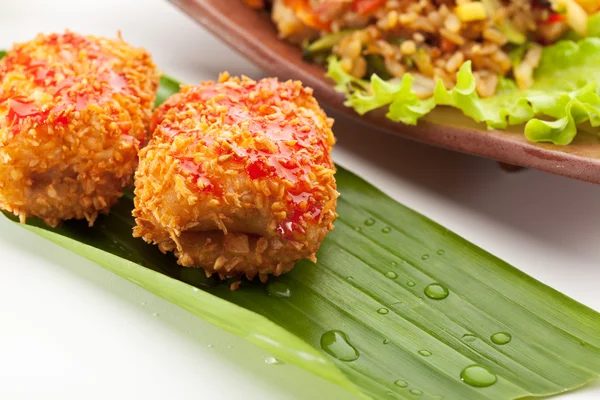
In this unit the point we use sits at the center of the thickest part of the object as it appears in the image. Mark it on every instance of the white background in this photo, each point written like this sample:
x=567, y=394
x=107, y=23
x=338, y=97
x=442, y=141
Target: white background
x=70, y=330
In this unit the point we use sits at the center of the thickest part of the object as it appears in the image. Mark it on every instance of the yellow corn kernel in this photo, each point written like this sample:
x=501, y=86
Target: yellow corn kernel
x=467, y=12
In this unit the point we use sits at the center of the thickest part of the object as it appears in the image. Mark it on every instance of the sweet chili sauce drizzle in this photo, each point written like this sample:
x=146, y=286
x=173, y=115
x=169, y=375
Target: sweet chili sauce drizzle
x=58, y=80
x=286, y=156
x=200, y=177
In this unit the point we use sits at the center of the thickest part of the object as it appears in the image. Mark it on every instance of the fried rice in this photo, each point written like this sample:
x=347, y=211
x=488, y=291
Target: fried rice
x=431, y=39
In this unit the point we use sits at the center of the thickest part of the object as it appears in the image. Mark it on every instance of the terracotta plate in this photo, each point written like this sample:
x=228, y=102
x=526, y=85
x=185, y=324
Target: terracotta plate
x=252, y=34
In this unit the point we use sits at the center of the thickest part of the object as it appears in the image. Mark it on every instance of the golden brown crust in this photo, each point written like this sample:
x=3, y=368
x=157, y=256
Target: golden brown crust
x=74, y=111
x=238, y=177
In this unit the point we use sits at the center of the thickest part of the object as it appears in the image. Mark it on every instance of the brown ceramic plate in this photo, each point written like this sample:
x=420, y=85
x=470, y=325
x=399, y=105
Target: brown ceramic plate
x=252, y=34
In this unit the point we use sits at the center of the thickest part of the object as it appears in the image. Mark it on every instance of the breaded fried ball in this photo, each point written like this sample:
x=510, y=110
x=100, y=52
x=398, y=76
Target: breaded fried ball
x=238, y=178
x=74, y=112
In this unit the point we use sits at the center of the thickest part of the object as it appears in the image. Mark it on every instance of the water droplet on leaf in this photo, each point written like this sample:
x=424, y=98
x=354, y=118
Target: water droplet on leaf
x=424, y=256
x=336, y=344
x=387, y=229
x=501, y=338
x=383, y=311
x=469, y=337
x=416, y=392
x=436, y=291
x=272, y=360
x=425, y=353
x=391, y=275
x=279, y=289
x=385, y=341
x=441, y=252
x=369, y=222
x=357, y=228
x=478, y=376
x=401, y=383
x=410, y=284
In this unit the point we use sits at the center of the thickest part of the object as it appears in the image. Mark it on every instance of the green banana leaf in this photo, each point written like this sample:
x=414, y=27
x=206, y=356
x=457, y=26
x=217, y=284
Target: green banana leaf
x=397, y=306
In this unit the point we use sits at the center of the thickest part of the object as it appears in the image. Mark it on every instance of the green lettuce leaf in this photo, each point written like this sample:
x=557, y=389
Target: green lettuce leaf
x=565, y=94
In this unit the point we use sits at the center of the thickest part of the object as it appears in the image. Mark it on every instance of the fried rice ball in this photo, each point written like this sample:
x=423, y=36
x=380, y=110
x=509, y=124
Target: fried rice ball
x=74, y=112
x=238, y=178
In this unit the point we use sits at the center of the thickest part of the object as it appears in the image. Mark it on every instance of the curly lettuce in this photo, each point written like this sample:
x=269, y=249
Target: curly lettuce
x=565, y=94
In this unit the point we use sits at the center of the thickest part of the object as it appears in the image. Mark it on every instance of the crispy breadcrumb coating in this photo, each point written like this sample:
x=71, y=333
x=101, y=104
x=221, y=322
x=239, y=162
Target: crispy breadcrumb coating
x=74, y=111
x=238, y=177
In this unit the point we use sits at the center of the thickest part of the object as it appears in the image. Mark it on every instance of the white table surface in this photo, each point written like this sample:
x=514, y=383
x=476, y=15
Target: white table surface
x=71, y=330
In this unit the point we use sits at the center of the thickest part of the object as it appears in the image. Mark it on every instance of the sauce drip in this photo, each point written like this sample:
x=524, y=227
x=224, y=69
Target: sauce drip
x=57, y=75
x=198, y=176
